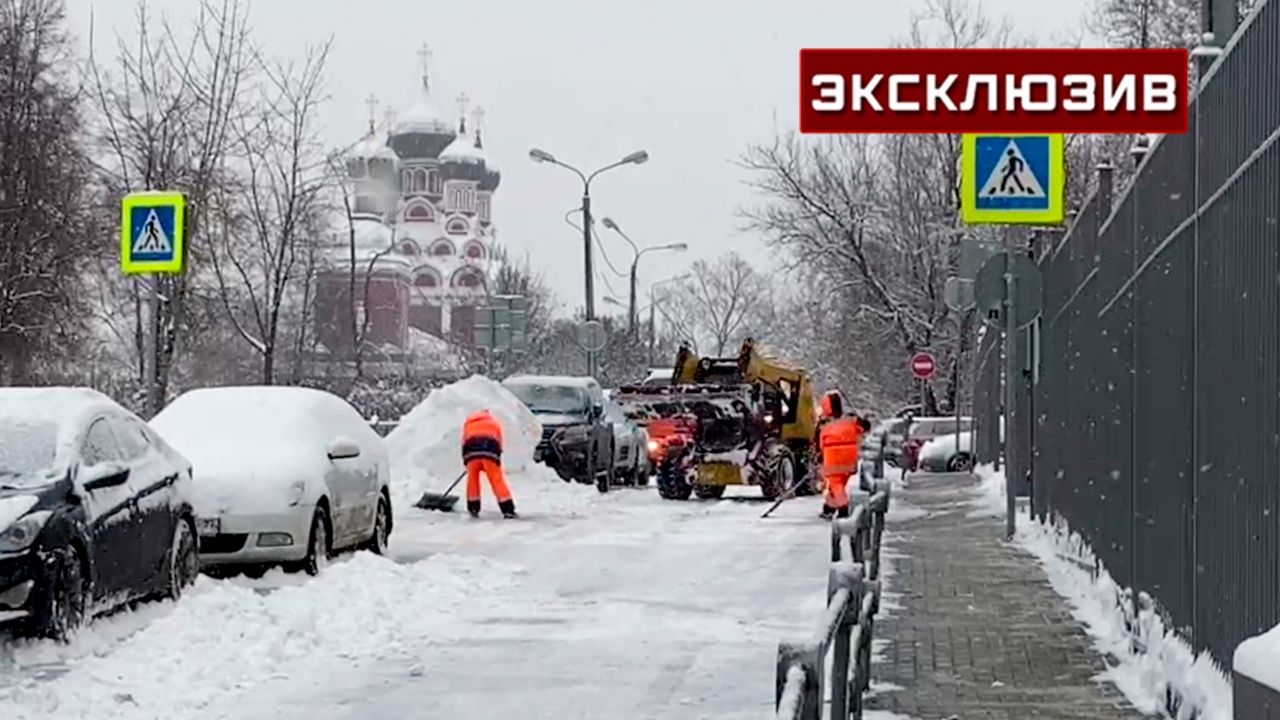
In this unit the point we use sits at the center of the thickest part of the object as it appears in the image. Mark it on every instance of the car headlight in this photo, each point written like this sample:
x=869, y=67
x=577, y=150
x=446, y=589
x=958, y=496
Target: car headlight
x=653, y=446
x=297, y=492
x=22, y=533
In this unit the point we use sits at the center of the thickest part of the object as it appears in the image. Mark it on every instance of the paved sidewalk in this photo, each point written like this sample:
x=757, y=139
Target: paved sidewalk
x=979, y=634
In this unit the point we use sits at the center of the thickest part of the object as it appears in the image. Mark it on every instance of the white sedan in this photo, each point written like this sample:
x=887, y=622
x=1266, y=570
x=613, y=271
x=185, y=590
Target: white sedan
x=283, y=475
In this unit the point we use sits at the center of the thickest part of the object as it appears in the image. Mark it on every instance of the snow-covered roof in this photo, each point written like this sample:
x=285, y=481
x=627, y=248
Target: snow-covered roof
x=424, y=117
x=373, y=147
x=463, y=150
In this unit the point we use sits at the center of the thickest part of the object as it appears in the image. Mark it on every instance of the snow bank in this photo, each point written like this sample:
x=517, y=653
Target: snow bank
x=223, y=639
x=1154, y=668
x=1259, y=658
x=944, y=446
x=426, y=447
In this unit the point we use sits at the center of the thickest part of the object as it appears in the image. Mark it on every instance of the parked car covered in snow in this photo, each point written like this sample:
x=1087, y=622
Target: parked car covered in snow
x=283, y=476
x=630, y=446
x=95, y=510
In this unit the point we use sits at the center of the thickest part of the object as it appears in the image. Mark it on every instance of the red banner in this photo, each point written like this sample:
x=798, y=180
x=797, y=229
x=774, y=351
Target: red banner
x=994, y=91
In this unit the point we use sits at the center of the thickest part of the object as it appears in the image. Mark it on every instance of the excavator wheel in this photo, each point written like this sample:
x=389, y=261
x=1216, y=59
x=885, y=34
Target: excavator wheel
x=672, y=484
x=780, y=473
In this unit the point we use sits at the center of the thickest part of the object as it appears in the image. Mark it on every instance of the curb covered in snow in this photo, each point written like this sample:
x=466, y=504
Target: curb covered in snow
x=1155, y=669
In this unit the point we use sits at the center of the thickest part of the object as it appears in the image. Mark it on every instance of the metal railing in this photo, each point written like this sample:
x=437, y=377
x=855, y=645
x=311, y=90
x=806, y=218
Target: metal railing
x=844, y=633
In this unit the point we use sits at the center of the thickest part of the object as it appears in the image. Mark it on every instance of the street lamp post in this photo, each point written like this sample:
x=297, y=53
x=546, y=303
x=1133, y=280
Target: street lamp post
x=653, y=304
x=635, y=158
x=635, y=262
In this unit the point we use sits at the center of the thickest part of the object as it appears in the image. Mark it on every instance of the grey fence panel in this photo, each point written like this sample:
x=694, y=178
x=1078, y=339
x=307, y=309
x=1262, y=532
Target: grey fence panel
x=1157, y=415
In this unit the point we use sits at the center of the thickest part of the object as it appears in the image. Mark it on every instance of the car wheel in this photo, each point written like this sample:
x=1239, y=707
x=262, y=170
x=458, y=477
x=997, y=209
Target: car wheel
x=184, y=561
x=318, y=545
x=961, y=463
x=63, y=609
x=780, y=473
x=377, y=542
x=672, y=484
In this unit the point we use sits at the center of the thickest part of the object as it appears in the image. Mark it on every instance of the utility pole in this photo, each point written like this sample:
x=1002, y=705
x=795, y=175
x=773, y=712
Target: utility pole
x=588, y=270
x=1010, y=377
x=631, y=305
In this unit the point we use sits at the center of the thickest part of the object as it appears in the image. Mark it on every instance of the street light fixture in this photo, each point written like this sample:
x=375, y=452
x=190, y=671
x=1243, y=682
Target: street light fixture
x=636, y=158
x=635, y=262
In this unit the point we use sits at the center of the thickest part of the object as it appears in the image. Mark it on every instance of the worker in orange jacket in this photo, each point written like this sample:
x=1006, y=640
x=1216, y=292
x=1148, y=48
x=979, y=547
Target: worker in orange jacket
x=482, y=453
x=838, y=441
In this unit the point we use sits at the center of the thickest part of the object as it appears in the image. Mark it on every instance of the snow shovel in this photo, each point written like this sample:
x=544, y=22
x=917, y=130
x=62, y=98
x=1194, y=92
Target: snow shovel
x=443, y=502
x=790, y=493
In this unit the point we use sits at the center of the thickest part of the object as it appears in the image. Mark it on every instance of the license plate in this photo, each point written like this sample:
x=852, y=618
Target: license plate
x=208, y=527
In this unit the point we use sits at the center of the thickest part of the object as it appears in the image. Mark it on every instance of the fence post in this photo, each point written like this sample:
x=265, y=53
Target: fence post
x=848, y=577
x=804, y=656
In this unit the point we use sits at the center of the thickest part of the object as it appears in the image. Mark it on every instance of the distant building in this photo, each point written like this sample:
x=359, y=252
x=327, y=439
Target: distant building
x=420, y=204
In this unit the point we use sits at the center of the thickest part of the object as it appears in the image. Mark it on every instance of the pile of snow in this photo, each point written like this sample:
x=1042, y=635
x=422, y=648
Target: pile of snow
x=426, y=447
x=1155, y=668
x=425, y=450
x=944, y=447
x=989, y=500
x=223, y=639
x=1259, y=658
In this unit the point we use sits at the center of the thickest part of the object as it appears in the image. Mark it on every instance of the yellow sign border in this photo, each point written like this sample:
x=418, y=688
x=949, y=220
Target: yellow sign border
x=175, y=200
x=1055, y=214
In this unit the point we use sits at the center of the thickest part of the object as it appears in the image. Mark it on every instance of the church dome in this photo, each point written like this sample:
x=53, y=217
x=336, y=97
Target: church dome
x=372, y=158
x=462, y=159
x=423, y=131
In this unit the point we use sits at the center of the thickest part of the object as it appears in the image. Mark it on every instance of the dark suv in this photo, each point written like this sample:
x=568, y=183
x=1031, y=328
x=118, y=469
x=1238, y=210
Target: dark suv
x=577, y=439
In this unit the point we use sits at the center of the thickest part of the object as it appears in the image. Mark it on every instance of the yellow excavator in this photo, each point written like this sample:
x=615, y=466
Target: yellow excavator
x=754, y=416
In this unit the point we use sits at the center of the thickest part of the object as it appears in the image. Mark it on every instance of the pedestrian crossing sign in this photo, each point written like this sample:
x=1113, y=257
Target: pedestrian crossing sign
x=152, y=233
x=1013, y=179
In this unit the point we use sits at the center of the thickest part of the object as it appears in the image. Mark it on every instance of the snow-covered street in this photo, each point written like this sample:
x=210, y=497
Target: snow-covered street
x=618, y=605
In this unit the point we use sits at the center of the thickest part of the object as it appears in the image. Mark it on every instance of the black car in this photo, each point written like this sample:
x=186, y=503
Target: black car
x=95, y=510
x=577, y=439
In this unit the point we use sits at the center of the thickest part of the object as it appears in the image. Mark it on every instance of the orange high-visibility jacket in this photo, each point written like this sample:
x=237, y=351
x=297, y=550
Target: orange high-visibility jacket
x=482, y=437
x=839, y=442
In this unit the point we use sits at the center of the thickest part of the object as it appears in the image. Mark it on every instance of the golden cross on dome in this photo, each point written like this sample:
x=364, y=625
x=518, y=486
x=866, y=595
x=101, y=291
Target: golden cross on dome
x=477, y=117
x=462, y=104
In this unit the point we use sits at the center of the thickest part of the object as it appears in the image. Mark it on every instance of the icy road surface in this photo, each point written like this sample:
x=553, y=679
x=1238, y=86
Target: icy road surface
x=616, y=606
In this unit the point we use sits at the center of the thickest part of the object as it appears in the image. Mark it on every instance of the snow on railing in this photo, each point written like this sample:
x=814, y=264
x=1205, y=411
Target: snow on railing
x=847, y=624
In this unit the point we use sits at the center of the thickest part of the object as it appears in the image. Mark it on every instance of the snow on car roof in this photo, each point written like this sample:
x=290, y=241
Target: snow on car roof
x=67, y=407
x=566, y=380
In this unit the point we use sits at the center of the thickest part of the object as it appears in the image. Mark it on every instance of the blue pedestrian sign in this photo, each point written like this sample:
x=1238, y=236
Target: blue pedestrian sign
x=1013, y=179
x=152, y=233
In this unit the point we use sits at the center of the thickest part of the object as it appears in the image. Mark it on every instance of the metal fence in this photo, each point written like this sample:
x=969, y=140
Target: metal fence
x=844, y=633
x=1154, y=427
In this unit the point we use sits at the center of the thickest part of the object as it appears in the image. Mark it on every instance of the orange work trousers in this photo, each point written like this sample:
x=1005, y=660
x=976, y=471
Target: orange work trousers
x=837, y=495
x=497, y=481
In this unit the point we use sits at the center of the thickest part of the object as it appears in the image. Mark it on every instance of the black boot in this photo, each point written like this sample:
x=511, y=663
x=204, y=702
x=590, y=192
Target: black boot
x=843, y=512
x=827, y=512
x=473, y=507
x=508, y=508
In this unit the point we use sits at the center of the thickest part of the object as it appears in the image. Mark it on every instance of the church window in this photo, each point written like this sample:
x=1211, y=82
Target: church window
x=442, y=248
x=475, y=251
x=433, y=182
x=457, y=226
x=419, y=211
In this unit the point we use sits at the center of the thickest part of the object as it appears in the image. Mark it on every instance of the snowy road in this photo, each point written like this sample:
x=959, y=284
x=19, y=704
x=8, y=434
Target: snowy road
x=618, y=606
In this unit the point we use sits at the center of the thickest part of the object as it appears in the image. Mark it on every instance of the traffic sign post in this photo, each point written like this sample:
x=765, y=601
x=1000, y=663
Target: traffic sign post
x=153, y=229
x=1013, y=179
x=502, y=330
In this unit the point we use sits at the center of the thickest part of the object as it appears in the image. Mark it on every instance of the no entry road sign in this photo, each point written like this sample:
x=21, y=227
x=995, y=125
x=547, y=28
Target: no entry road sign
x=923, y=366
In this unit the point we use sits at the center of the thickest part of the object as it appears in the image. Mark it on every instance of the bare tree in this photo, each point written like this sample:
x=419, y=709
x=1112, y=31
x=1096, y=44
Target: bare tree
x=875, y=220
x=719, y=303
x=167, y=110
x=43, y=218
x=258, y=261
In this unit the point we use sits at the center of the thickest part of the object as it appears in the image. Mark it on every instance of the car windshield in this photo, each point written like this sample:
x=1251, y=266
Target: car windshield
x=551, y=399
x=27, y=451
x=934, y=428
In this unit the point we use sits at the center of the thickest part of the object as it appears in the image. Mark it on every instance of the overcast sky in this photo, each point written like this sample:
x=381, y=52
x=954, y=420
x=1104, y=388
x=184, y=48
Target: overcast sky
x=693, y=82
